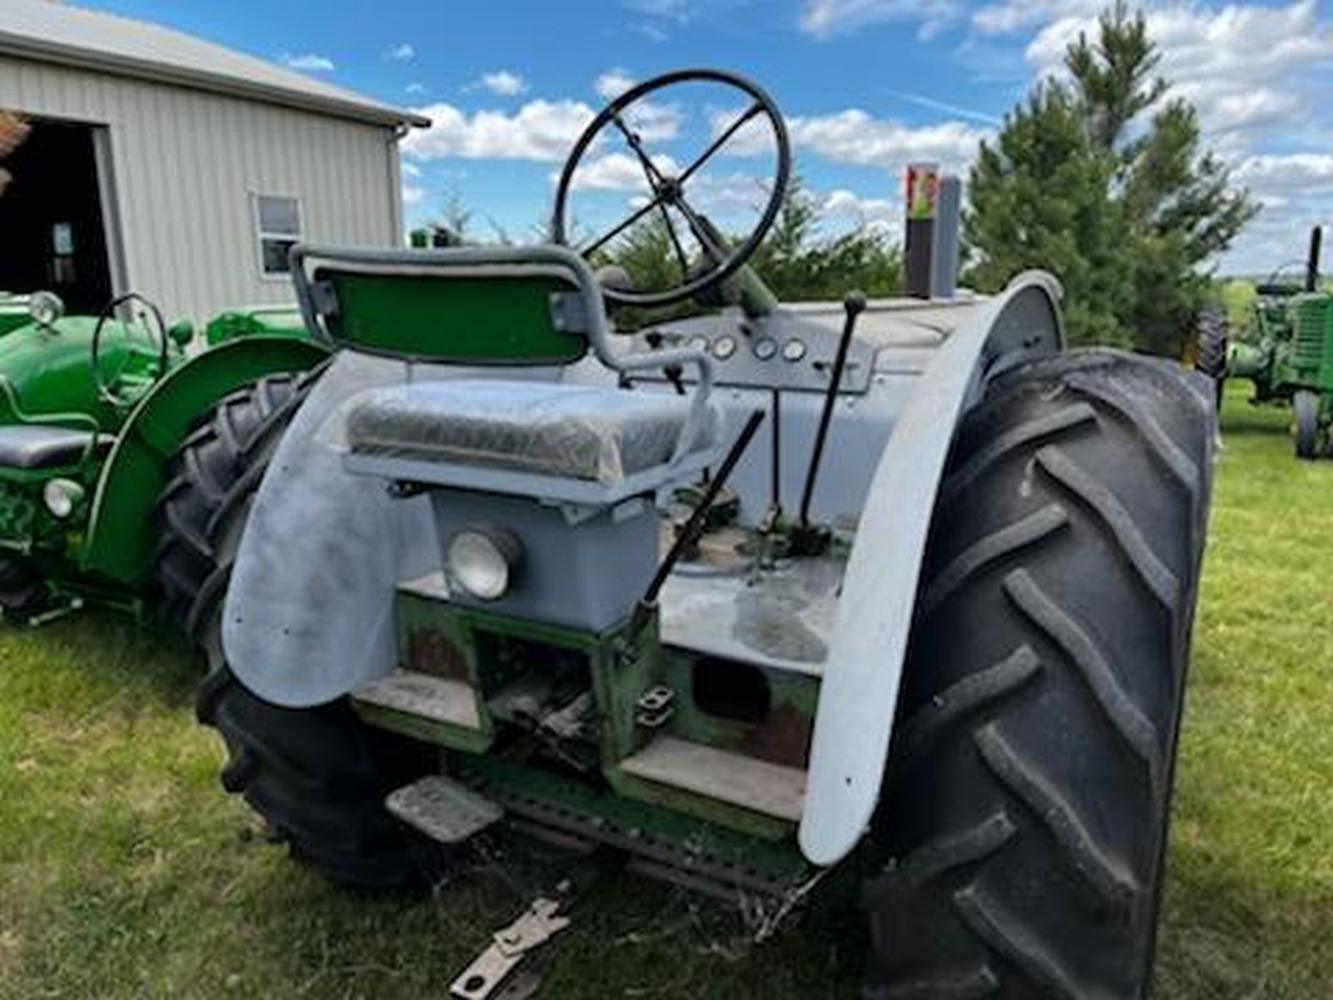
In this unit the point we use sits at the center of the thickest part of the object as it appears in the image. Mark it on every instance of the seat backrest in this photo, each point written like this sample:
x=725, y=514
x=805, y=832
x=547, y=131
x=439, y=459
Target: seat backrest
x=537, y=305
x=466, y=305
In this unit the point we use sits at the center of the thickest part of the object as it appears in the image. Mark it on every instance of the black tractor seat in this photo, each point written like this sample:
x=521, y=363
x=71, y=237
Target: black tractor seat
x=44, y=446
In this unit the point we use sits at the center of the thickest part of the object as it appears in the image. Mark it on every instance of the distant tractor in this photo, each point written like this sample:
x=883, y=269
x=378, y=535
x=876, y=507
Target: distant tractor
x=724, y=598
x=1289, y=358
x=117, y=449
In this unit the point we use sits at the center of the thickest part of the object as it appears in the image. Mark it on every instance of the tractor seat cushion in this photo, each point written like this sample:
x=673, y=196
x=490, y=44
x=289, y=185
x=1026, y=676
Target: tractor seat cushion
x=585, y=432
x=38, y=446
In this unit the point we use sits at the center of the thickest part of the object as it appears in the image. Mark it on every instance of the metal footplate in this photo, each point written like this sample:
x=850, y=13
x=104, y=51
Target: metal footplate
x=443, y=809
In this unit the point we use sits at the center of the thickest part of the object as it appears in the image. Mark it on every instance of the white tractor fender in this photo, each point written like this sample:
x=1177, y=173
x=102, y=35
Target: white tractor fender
x=859, y=692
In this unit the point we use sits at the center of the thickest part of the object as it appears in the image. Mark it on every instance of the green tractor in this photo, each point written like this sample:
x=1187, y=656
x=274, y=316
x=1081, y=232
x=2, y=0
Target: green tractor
x=1289, y=358
x=725, y=599
x=116, y=444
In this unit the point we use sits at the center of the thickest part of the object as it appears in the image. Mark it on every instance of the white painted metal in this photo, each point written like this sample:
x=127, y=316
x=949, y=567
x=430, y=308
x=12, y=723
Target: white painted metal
x=859, y=692
x=187, y=154
x=309, y=614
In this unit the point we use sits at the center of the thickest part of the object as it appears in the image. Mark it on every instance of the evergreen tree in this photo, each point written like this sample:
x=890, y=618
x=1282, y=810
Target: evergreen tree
x=1126, y=211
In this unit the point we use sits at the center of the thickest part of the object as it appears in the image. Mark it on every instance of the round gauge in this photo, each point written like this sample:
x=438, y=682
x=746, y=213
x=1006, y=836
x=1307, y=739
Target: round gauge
x=793, y=350
x=699, y=343
x=724, y=347
x=765, y=348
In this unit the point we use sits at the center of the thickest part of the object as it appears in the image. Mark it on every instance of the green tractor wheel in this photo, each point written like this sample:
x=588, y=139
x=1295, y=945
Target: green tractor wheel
x=1305, y=411
x=212, y=476
x=1019, y=844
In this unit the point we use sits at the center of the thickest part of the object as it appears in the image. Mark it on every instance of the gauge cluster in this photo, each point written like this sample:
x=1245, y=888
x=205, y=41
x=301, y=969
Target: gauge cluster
x=783, y=353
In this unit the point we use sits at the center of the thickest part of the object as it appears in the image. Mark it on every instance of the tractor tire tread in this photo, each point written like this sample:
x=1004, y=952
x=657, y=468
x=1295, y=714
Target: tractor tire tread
x=211, y=473
x=1018, y=848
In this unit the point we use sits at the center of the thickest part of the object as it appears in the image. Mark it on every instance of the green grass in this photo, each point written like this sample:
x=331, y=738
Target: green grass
x=125, y=872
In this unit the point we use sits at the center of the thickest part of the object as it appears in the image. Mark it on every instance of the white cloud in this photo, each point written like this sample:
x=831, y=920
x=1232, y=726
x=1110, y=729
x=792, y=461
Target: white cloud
x=415, y=88
x=504, y=82
x=401, y=53
x=842, y=202
x=1241, y=65
x=410, y=170
x=1010, y=15
x=854, y=136
x=619, y=172
x=653, y=121
x=825, y=19
x=613, y=83
x=308, y=63
x=1290, y=173
x=412, y=195
x=540, y=130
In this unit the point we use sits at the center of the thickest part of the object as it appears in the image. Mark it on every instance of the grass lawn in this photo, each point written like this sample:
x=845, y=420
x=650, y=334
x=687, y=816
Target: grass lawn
x=125, y=872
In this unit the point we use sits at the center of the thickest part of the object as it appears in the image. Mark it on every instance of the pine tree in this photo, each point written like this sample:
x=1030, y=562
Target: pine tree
x=1126, y=212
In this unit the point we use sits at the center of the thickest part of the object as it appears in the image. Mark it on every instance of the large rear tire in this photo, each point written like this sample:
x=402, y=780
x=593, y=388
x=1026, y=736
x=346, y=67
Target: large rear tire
x=1305, y=413
x=212, y=476
x=1018, y=848
x=317, y=776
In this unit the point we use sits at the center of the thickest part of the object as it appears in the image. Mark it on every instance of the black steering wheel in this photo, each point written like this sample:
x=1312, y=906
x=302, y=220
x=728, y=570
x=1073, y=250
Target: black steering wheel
x=156, y=331
x=720, y=257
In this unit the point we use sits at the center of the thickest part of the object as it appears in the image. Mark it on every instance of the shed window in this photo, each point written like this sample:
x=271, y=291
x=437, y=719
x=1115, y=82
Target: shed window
x=278, y=225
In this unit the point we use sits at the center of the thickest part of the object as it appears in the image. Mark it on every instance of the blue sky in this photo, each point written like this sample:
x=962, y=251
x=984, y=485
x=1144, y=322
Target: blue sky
x=867, y=86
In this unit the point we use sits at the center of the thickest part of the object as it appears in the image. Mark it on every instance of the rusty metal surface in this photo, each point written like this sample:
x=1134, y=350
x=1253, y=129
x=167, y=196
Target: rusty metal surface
x=783, y=738
x=429, y=651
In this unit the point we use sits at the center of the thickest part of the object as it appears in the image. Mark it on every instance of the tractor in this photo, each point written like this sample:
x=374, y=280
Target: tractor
x=1289, y=358
x=117, y=445
x=727, y=599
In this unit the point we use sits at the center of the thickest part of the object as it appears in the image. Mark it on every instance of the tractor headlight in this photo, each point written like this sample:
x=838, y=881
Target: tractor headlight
x=45, y=308
x=482, y=561
x=61, y=496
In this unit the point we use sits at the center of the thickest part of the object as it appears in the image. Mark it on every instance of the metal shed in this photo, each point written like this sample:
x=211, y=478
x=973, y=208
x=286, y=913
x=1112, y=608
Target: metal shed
x=169, y=165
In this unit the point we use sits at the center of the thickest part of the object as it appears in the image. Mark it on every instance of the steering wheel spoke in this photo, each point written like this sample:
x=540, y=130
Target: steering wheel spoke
x=635, y=142
x=607, y=237
x=722, y=255
x=722, y=139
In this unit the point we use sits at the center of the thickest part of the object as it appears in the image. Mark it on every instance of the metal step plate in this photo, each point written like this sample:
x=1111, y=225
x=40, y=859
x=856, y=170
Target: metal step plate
x=438, y=698
x=443, y=809
x=729, y=777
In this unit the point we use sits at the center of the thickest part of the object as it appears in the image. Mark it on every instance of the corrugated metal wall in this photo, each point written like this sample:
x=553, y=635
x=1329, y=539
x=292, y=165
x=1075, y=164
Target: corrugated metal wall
x=186, y=163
